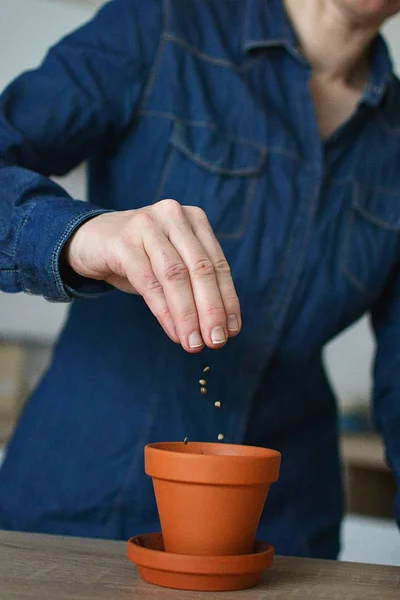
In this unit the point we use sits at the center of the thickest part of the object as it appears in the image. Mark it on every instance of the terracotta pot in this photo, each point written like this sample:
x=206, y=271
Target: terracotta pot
x=202, y=573
x=210, y=496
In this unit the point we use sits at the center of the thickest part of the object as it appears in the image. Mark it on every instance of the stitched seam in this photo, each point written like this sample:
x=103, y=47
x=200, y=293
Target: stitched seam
x=376, y=221
x=213, y=168
x=281, y=275
x=246, y=210
x=55, y=254
x=19, y=230
x=173, y=117
x=289, y=294
x=228, y=136
x=372, y=188
x=21, y=193
x=346, y=247
x=159, y=53
x=204, y=124
x=245, y=216
x=164, y=174
x=221, y=62
x=357, y=206
x=248, y=65
x=283, y=152
x=277, y=325
x=245, y=414
x=354, y=281
x=9, y=271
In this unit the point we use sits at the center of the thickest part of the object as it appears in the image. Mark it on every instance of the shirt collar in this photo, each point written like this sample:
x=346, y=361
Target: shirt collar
x=267, y=25
x=381, y=73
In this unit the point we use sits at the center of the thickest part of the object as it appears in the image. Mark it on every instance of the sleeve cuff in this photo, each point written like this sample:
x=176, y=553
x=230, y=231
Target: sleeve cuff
x=46, y=227
x=82, y=287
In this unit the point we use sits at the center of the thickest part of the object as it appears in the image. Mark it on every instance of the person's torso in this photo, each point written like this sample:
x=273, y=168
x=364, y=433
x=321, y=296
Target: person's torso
x=311, y=231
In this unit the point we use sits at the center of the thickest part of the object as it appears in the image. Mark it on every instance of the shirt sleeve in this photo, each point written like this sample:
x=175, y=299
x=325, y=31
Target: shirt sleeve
x=386, y=324
x=80, y=99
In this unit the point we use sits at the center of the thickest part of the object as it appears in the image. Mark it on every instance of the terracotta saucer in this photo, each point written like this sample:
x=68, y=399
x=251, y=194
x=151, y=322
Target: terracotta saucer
x=197, y=573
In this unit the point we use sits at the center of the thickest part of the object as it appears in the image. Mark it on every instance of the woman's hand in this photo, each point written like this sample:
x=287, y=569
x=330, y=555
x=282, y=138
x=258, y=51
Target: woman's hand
x=168, y=254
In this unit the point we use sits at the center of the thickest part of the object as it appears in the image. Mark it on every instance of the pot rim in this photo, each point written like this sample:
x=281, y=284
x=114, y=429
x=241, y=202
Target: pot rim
x=211, y=463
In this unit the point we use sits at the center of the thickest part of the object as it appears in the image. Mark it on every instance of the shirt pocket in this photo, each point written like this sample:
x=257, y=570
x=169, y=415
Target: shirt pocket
x=371, y=239
x=214, y=171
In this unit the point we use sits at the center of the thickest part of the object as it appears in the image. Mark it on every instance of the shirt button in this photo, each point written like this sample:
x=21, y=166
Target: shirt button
x=217, y=404
x=220, y=437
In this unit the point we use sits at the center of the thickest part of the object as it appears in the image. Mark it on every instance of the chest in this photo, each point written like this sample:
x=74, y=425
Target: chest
x=293, y=214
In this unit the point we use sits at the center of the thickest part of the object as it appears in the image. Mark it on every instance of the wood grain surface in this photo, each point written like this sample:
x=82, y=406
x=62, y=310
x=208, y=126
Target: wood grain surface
x=37, y=567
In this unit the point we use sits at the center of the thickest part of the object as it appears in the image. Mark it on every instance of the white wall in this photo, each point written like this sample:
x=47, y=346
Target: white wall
x=28, y=27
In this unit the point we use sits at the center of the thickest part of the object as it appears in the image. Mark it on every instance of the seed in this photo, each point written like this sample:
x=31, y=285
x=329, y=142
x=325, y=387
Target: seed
x=206, y=369
x=217, y=404
x=202, y=382
x=220, y=437
x=203, y=390
x=185, y=441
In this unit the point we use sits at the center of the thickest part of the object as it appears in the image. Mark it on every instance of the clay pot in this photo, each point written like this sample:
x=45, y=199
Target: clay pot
x=210, y=496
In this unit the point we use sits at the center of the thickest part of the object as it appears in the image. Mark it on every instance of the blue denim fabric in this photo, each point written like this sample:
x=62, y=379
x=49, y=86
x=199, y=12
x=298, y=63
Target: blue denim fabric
x=206, y=102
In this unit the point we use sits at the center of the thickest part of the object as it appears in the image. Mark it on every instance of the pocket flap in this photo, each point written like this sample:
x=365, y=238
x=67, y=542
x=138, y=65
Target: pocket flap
x=378, y=205
x=218, y=153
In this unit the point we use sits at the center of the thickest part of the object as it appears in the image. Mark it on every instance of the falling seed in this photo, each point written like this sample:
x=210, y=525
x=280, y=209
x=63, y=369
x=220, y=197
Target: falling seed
x=203, y=391
x=217, y=404
x=185, y=441
x=206, y=369
x=220, y=437
x=202, y=382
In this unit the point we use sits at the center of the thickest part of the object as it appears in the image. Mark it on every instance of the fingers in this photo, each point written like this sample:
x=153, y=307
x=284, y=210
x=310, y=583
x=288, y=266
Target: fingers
x=175, y=262
x=204, y=233
x=173, y=273
x=202, y=275
x=140, y=277
x=162, y=277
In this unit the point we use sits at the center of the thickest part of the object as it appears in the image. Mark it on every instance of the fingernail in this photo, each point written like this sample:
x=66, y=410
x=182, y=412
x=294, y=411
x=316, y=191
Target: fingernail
x=195, y=340
x=233, y=323
x=218, y=335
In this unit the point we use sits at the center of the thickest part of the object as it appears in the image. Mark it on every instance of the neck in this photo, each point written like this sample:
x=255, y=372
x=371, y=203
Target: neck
x=335, y=45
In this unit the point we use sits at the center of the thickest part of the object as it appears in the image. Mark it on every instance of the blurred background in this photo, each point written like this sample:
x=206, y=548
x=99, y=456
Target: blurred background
x=29, y=325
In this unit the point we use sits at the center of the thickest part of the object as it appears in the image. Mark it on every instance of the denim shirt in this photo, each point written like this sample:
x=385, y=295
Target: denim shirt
x=206, y=102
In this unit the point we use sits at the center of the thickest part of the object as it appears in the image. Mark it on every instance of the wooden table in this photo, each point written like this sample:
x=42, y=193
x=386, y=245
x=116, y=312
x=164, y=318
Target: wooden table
x=37, y=567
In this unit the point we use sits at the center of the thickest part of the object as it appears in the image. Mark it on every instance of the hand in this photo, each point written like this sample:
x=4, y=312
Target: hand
x=168, y=254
